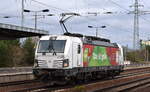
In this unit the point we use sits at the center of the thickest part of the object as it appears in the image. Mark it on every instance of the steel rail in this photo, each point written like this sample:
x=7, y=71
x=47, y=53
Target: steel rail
x=43, y=88
x=66, y=86
x=124, y=84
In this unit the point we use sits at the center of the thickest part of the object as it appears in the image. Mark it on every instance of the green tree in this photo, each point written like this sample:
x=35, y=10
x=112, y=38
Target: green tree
x=29, y=50
x=4, y=60
x=17, y=55
x=136, y=56
x=6, y=47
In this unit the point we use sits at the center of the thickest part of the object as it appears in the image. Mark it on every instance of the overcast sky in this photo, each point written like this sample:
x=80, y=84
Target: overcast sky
x=119, y=25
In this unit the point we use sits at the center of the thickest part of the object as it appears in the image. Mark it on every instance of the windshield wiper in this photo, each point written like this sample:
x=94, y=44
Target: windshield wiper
x=51, y=47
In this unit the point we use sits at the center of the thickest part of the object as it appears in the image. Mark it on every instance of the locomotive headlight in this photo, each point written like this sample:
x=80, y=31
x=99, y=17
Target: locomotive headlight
x=65, y=63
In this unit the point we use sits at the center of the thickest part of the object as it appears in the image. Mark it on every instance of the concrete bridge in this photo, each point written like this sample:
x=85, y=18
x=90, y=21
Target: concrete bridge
x=8, y=32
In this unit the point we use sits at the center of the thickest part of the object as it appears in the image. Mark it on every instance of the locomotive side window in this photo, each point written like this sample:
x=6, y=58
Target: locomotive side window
x=79, y=49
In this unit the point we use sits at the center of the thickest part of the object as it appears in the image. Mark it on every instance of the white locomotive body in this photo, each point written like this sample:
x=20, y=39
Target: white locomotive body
x=75, y=57
x=55, y=52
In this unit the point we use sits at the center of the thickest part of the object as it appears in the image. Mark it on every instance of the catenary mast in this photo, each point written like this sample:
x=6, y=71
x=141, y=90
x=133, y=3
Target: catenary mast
x=136, y=42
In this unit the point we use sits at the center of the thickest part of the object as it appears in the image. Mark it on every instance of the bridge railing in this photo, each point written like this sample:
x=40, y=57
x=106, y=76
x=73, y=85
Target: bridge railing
x=19, y=28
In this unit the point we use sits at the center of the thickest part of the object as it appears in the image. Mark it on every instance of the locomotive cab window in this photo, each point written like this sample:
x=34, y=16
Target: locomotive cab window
x=79, y=49
x=50, y=46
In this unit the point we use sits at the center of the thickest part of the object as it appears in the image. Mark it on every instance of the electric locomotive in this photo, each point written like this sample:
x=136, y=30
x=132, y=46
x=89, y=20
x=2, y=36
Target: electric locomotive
x=71, y=57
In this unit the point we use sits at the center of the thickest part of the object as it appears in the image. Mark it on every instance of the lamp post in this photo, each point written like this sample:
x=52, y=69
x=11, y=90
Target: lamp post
x=97, y=28
x=36, y=14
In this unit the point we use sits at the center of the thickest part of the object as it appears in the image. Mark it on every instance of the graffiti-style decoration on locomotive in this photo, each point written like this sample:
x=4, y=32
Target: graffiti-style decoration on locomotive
x=99, y=56
x=76, y=57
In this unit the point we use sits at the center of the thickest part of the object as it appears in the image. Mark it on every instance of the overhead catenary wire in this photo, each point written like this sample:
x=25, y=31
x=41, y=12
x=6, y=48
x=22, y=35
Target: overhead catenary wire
x=114, y=27
x=115, y=12
x=127, y=10
x=109, y=25
x=19, y=17
x=118, y=5
x=136, y=12
x=142, y=1
x=52, y=7
x=148, y=21
x=66, y=10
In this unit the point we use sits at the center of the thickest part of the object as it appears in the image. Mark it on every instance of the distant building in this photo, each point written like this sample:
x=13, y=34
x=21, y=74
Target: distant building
x=145, y=43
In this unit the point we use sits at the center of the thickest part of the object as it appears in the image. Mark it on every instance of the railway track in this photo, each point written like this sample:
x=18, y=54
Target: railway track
x=37, y=86
x=136, y=79
x=127, y=86
x=126, y=70
x=19, y=85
